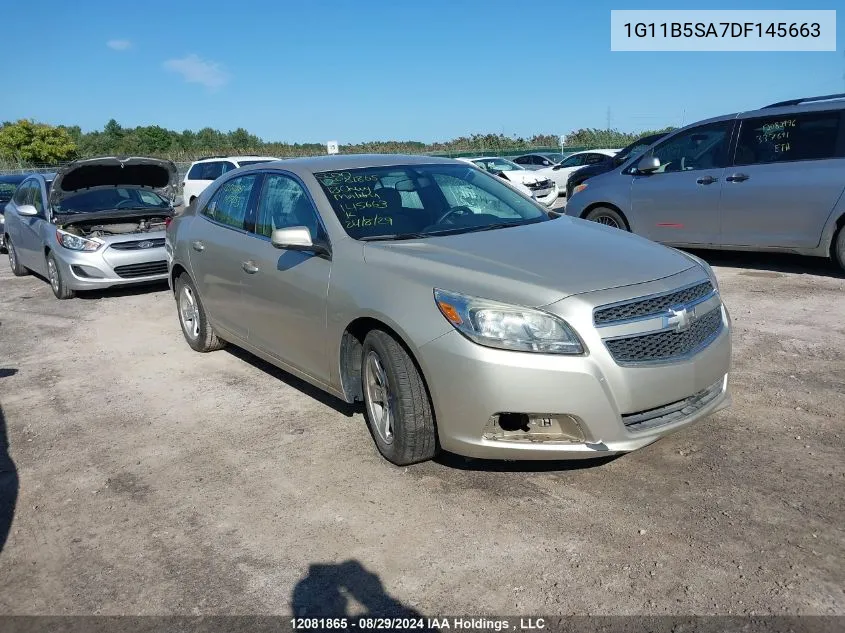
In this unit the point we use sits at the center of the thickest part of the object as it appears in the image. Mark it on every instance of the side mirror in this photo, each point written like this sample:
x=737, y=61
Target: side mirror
x=27, y=209
x=648, y=165
x=558, y=166
x=297, y=238
x=178, y=201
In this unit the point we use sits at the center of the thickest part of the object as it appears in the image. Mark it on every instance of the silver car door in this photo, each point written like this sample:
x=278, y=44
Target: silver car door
x=786, y=178
x=679, y=203
x=30, y=248
x=285, y=291
x=218, y=246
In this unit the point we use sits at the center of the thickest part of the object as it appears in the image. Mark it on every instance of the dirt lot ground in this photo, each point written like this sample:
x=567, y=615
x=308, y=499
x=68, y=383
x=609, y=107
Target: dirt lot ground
x=154, y=480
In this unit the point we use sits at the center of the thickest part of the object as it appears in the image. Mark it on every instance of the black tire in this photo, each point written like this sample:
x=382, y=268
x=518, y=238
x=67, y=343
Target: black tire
x=57, y=281
x=608, y=217
x=14, y=262
x=414, y=436
x=839, y=248
x=195, y=327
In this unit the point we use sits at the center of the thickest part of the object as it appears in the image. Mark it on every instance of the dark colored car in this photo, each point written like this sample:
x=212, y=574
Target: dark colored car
x=637, y=147
x=8, y=184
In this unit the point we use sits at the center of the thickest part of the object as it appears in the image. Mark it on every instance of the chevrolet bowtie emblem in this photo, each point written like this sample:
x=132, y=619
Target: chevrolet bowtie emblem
x=679, y=320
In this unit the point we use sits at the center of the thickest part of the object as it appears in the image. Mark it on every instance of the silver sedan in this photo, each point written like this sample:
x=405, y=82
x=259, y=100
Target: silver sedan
x=460, y=313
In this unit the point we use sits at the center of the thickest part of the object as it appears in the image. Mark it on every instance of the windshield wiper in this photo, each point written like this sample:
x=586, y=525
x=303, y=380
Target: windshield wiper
x=498, y=225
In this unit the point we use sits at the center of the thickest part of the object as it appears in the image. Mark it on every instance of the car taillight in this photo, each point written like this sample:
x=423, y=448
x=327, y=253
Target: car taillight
x=167, y=222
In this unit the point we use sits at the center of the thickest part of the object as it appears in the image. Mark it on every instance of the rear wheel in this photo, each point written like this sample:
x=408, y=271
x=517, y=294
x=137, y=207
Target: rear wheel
x=14, y=262
x=193, y=319
x=57, y=280
x=396, y=401
x=839, y=248
x=608, y=217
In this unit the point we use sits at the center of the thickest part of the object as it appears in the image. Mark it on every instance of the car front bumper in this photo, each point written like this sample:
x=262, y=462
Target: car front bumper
x=547, y=197
x=470, y=384
x=90, y=271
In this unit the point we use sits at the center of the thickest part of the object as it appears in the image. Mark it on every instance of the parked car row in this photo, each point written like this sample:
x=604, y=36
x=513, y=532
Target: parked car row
x=430, y=289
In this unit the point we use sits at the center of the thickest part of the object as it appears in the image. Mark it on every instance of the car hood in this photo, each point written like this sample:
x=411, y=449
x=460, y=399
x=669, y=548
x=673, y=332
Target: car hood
x=531, y=265
x=154, y=174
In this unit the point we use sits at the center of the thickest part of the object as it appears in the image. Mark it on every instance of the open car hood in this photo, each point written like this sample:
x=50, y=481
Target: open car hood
x=110, y=171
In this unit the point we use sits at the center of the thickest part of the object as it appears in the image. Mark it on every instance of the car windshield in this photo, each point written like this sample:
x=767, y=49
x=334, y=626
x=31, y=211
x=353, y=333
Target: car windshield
x=411, y=201
x=112, y=199
x=496, y=165
x=637, y=147
x=555, y=158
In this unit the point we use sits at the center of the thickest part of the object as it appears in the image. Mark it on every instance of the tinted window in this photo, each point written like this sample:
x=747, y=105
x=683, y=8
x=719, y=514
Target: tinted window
x=421, y=200
x=209, y=171
x=230, y=203
x=284, y=204
x=196, y=171
x=523, y=160
x=37, y=198
x=244, y=163
x=573, y=161
x=775, y=139
x=592, y=159
x=703, y=147
x=22, y=193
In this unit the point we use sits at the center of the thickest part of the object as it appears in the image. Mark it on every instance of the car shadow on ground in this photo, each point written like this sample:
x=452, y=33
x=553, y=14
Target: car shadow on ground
x=459, y=462
x=9, y=483
x=300, y=385
x=118, y=291
x=770, y=264
x=328, y=591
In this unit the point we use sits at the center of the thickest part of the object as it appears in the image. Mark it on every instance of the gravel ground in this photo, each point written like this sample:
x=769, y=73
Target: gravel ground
x=154, y=480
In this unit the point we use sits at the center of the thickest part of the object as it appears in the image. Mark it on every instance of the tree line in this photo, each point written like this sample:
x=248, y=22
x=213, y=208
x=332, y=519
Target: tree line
x=28, y=143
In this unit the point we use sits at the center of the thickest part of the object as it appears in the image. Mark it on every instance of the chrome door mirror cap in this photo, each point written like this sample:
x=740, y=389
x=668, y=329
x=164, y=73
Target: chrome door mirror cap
x=648, y=164
x=27, y=209
x=294, y=238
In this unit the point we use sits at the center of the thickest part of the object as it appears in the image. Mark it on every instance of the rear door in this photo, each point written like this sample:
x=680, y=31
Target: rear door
x=219, y=248
x=679, y=203
x=787, y=174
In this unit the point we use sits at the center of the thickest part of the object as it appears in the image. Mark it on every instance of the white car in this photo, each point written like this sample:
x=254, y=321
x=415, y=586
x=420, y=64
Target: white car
x=534, y=184
x=206, y=170
x=560, y=173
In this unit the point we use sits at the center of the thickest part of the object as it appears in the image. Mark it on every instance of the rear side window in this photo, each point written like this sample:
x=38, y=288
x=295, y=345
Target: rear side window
x=230, y=203
x=784, y=138
x=210, y=171
x=284, y=204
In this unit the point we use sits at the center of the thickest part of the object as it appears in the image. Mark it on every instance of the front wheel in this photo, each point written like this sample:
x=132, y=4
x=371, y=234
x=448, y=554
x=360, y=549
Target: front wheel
x=397, y=405
x=192, y=317
x=57, y=280
x=839, y=248
x=608, y=217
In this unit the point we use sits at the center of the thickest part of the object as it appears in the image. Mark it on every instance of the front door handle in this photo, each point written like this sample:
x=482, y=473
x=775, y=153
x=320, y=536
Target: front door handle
x=198, y=246
x=707, y=180
x=737, y=178
x=249, y=267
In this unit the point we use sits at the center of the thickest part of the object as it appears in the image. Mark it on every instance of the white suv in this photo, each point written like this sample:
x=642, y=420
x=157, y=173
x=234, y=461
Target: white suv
x=204, y=171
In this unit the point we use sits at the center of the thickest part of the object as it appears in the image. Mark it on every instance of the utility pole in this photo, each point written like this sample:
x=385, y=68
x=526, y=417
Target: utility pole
x=608, y=118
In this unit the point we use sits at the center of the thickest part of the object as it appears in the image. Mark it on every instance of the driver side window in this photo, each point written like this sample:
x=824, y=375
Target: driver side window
x=573, y=161
x=703, y=147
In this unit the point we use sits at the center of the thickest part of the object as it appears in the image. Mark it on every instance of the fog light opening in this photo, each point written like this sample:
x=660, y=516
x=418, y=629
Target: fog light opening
x=513, y=422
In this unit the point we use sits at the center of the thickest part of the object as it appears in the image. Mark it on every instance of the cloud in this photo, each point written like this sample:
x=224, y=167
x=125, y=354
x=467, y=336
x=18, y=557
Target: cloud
x=119, y=45
x=196, y=70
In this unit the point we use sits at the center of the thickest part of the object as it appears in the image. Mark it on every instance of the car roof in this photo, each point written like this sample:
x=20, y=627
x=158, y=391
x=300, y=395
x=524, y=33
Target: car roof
x=208, y=159
x=12, y=178
x=350, y=161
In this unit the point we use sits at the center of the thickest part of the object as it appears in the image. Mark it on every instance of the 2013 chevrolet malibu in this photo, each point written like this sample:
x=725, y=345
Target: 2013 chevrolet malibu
x=462, y=315
x=97, y=223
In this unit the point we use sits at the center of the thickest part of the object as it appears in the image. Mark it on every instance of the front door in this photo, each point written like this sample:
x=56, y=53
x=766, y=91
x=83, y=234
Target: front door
x=286, y=294
x=786, y=178
x=31, y=243
x=219, y=248
x=679, y=203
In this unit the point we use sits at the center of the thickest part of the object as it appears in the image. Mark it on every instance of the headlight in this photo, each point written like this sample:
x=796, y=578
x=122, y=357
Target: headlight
x=579, y=188
x=507, y=326
x=76, y=243
x=707, y=268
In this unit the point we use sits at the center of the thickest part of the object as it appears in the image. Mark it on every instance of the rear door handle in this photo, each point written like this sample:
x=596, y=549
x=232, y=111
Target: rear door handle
x=249, y=267
x=707, y=180
x=737, y=178
x=198, y=246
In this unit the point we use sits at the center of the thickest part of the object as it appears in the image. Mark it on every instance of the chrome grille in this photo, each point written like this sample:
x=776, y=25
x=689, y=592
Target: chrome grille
x=134, y=245
x=651, y=306
x=666, y=345
x=541, y=184
x=674, y=411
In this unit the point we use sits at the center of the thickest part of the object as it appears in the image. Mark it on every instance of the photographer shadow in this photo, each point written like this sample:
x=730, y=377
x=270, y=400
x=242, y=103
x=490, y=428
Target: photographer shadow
x=327, y=591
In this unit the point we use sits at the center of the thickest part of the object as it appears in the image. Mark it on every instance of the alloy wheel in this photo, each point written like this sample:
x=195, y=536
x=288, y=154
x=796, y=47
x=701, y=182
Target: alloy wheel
x=189, y=313
x=379, y=398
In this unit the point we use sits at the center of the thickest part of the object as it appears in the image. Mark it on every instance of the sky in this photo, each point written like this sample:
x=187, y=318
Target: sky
x=352, y=71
